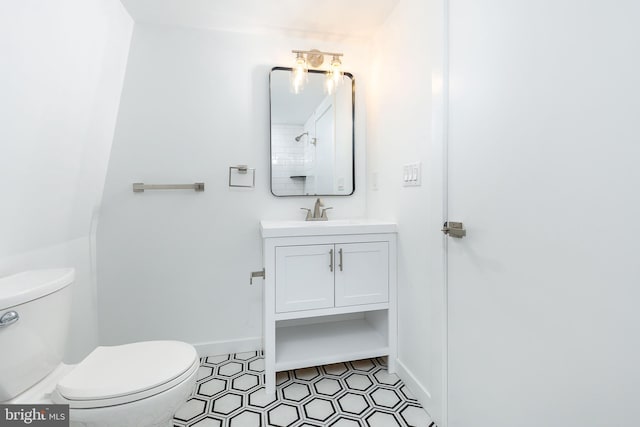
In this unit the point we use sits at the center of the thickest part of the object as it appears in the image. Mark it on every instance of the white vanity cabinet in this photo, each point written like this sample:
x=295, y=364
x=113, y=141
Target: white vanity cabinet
x=330, y=293
x=323, y=276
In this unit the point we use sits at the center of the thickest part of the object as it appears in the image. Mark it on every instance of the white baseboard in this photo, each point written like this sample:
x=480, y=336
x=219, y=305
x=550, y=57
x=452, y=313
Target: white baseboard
x=414, y=386
x=215, y=348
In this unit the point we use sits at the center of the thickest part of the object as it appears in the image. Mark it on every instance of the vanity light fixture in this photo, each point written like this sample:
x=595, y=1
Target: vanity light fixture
x=315, y=58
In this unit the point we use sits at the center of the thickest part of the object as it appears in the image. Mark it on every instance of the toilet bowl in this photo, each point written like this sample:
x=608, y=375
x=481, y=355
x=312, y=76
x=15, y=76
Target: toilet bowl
x=133, y=385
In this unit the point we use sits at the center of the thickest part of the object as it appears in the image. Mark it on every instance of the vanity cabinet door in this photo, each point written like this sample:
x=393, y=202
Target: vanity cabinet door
x=304, y=277
x=362, y=273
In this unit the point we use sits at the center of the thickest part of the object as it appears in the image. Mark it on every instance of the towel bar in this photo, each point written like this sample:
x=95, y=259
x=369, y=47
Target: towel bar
x=139, y=187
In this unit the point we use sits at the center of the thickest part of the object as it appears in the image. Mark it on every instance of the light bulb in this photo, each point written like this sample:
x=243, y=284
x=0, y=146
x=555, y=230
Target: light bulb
x=329, y=83
x=299, y=73
x=336, y=70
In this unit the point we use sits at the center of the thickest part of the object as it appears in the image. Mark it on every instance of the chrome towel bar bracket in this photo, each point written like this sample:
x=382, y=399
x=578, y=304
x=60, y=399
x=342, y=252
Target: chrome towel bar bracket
x=139, y=187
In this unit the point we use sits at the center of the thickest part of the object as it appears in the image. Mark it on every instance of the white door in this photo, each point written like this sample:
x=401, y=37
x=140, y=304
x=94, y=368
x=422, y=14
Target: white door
x=544, y=146
x=325, y=147
x=362, y=273
x=304, y=277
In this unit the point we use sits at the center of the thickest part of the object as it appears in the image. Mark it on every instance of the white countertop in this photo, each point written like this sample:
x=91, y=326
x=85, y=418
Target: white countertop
x=325, y=228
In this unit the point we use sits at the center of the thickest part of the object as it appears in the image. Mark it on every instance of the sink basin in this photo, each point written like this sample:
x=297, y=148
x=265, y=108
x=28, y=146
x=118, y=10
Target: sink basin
x=325, y=228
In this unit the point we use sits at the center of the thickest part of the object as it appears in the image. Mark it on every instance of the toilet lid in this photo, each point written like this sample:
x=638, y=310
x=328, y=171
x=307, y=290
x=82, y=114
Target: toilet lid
x=117, y=371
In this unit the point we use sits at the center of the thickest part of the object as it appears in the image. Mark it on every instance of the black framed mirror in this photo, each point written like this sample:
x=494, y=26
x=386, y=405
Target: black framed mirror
x=312, y=136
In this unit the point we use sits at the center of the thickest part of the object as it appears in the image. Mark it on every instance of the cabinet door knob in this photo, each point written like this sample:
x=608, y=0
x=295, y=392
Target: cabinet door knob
x=340, y=265
x=331, y=260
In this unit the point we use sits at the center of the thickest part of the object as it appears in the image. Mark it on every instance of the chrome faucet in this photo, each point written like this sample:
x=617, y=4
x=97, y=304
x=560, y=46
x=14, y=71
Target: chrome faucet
x=317, y=215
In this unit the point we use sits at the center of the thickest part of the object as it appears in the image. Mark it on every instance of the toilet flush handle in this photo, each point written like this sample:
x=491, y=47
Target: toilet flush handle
x=9, y=318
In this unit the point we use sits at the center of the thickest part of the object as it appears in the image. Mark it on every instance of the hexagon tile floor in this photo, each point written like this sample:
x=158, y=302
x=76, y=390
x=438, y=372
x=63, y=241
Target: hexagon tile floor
x=230, y=393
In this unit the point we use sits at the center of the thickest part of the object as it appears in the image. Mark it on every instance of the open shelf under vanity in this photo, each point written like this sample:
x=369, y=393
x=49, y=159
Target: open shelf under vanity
x=330, y=339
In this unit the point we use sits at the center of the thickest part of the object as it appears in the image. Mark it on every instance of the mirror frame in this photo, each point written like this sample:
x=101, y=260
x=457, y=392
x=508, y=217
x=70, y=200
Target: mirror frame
x=353, y=137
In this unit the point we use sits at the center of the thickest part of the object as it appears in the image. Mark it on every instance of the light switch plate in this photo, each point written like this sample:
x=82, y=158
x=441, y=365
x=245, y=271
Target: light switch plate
x=412, y=174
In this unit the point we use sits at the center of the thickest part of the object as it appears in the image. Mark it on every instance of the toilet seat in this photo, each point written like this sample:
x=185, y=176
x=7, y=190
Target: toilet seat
x=122, y=374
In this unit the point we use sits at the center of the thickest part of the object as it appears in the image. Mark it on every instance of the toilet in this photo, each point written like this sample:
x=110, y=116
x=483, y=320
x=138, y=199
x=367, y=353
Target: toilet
x=133, y=385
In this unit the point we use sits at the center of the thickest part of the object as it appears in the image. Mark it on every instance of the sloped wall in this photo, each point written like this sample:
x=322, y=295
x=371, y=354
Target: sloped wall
x=62, y=65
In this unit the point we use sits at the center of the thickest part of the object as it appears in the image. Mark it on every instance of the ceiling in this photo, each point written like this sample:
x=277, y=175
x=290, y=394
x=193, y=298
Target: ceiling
x=341, y=18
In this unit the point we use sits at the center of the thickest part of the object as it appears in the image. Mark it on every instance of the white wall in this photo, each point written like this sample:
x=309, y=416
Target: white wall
x=176, y=265
x=61, y=70
x=404, y=112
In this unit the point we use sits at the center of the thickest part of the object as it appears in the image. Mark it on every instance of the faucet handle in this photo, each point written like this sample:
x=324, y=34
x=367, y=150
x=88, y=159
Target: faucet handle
x=308, y=217
x=324, y=213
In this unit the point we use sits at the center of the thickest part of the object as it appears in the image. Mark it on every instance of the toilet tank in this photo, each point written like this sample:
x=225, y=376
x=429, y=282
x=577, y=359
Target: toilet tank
x=35, y=308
